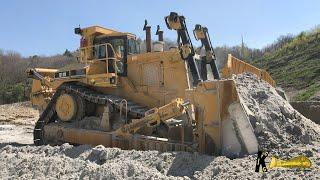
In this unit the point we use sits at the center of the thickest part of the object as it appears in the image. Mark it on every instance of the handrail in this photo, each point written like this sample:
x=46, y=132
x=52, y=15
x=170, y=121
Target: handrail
x=85, y=55
x=83, y=58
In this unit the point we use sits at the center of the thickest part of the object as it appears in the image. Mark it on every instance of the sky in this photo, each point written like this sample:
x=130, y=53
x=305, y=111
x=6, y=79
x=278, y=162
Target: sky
x=43, y=27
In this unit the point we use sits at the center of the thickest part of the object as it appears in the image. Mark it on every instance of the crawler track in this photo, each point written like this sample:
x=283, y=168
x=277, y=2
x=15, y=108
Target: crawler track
x=49, y=114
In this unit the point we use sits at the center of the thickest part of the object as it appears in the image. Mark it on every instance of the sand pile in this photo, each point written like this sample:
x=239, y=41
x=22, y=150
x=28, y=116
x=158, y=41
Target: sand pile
x=85, y=162
x=275, y=122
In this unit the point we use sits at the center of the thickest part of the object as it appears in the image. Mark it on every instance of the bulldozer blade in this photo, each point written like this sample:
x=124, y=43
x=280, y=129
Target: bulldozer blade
x=243, y=126
x=223, y=123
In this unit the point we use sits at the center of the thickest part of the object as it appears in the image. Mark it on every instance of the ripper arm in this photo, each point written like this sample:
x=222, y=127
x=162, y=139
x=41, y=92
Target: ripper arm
x=202, y=34
x=176, y=22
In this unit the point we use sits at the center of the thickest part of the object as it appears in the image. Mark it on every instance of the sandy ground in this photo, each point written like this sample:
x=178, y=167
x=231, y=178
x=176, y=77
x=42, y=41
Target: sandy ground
x=16, y=123
x=18, y=113
x=287, y=134
x=85, y=162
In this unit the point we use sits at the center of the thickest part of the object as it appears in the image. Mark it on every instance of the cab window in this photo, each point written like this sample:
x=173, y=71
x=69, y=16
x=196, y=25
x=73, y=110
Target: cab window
x=118, y=46
x=133, y=47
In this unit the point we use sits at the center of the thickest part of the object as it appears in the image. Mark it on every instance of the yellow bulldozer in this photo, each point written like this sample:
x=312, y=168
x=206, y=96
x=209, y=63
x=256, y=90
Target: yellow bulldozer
x=174, y=100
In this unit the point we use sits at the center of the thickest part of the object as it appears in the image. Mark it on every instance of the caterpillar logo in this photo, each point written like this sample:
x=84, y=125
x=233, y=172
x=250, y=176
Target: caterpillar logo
x=296, y=162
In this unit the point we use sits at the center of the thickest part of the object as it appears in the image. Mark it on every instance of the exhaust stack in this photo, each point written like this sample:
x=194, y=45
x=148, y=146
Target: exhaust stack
x=148, y=35
x=159, y=33
x=158, y=46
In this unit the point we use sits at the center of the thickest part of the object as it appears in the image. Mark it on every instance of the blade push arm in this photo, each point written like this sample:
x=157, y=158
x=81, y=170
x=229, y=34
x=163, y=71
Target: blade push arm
x=154, y=116
x=202, y=34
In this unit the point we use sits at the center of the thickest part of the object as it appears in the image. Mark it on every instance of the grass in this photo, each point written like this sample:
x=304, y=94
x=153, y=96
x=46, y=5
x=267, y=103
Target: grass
x=307, y=93
x=296, y=65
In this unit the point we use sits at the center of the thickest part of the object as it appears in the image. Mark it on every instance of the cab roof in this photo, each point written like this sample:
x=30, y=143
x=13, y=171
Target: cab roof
x=98, y=30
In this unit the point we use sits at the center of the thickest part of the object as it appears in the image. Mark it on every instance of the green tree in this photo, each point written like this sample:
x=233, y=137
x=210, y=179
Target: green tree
x=67, y=53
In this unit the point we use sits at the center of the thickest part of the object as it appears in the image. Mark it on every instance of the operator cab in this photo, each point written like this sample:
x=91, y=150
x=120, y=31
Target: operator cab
x=122, y=45
x=98, y=43
x=117, y=47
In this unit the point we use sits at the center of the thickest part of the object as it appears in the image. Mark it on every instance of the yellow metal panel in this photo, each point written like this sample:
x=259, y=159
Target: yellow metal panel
x=46, y=72
x=236, y=66
x=151, y=74
x=160, y=75
x=101, y=30
x=211, y=100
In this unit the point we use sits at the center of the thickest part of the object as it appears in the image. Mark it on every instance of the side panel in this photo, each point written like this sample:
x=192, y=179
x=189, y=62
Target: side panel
x=36, y=95
x=160, y=76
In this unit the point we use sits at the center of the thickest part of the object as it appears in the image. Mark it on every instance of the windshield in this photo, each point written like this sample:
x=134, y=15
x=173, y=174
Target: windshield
x=133, y=47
